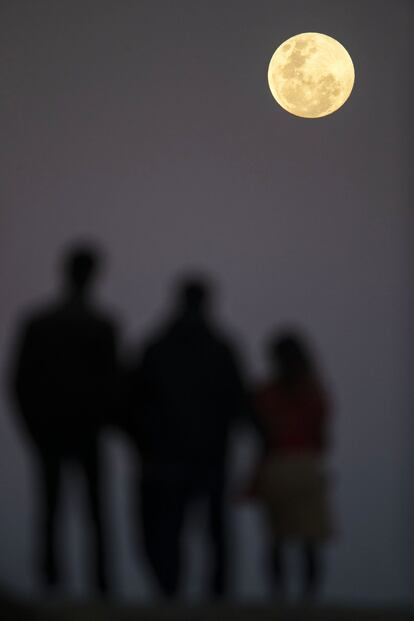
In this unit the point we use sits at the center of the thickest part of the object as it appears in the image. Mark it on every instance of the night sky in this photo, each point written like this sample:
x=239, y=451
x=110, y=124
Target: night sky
x=149, y=127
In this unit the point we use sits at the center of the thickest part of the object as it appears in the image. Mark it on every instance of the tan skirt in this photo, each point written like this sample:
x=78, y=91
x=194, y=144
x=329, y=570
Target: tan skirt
x=294, y=491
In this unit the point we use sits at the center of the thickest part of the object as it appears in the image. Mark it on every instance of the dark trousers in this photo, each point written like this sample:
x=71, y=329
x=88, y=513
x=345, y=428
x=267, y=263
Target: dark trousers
x=53, y=464
x=165, y=502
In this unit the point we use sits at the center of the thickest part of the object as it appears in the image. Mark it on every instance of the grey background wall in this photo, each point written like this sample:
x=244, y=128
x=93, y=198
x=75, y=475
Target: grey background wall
x=149, y=127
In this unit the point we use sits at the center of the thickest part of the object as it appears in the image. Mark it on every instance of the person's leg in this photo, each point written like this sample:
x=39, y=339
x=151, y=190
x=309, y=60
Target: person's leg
x=278, y=568
x=163, y=506
x=91, y=467
x=50, y=484
x=218, y=535
x=311, y=569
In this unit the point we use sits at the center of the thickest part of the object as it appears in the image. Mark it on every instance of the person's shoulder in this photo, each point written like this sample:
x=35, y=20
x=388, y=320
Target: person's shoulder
x=153, y=342
x=144, y=355
x=107, y=322
x=156, y=344
x=319, y=394
x=314, y=388
x=38, y=317
x=103, y=319
x=224, y=340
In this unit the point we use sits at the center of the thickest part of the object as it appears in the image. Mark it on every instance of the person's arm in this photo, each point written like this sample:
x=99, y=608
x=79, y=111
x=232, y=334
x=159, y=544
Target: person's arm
x=250, y=491
x=134, y=391
x=322, y=411
x=21, y=381
x=240, y=399
x=105, y=381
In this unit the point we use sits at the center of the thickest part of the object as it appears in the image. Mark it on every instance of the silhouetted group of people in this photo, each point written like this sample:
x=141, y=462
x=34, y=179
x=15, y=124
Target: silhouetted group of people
x=178, y=404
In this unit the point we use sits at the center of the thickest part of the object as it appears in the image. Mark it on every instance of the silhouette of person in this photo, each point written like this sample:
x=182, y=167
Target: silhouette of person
x=293, y=413
x=190, y=392
x=65, y=368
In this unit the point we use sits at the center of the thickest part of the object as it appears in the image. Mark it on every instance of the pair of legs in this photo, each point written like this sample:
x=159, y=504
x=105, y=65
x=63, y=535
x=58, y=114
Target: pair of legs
x=165, y=503
x=53, y=463
x=311, y=568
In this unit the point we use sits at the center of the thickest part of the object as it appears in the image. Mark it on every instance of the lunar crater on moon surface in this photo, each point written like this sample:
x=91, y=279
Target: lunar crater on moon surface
x=311, y=75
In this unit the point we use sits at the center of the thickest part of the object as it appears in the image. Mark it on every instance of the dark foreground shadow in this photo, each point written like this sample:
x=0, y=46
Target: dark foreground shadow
x=13, y=609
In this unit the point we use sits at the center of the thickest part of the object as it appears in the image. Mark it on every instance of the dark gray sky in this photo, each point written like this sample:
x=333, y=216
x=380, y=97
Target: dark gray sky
x=149, y=127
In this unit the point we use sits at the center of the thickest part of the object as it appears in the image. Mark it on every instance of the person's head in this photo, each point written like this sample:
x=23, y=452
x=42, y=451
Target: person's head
x=290, y=357
x=80, y=265
x=193, y=296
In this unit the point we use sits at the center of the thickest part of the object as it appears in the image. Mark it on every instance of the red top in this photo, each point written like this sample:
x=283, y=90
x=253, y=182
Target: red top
x=292, y=421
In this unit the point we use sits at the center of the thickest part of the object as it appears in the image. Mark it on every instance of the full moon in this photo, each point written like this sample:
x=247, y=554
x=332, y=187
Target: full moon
x=311, y=75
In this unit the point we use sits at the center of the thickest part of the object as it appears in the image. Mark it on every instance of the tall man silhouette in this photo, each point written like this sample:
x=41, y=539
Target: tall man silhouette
x=189, y=392
x=63, y=385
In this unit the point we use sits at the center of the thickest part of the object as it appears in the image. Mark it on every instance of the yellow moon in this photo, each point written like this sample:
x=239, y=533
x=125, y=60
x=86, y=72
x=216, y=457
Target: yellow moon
x=311, y=75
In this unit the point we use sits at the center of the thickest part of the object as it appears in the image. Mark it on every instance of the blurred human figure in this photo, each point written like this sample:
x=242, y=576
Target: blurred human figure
x=293, y=414
x=63, y=383
x=190, y=393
